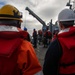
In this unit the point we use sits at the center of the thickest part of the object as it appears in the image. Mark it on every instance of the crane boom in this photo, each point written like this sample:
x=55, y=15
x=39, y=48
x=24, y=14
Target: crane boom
x=37, y=17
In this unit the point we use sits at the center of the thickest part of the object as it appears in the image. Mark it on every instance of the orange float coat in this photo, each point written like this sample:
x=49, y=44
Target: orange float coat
x=26, y=57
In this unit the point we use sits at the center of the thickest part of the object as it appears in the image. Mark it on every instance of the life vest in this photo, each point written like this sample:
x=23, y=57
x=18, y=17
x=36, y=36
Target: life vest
x=9, y=50
x=35, y=34
x=17, y=55
x=67, y=61
x=40, y=32
x=25, y=34
x=48, y=35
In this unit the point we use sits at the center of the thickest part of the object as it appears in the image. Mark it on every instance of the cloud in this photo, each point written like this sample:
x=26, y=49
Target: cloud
x=48, y=12
x=45, y=9
x=31, y=25
x=2, y=3
x=50, y=9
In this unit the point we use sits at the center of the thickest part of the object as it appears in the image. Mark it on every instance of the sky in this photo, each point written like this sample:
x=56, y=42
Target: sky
x=45, y=9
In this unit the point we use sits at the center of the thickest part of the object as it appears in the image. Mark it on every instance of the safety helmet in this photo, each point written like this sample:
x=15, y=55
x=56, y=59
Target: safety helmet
x=66, y=15
x=34, y=29
x=10, y=12
x=25, y=28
